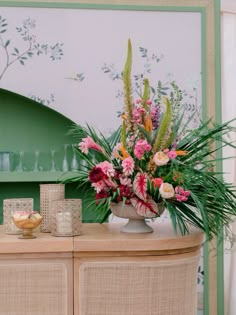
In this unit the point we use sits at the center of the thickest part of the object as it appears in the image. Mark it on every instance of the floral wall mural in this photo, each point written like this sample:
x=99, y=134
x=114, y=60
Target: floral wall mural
x=74, y=64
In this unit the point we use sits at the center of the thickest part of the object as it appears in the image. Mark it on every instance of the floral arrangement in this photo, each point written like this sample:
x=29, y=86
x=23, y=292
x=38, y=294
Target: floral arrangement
x=153, y=161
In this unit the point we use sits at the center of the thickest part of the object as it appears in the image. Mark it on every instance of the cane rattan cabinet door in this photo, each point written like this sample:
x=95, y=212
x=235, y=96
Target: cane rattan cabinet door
x=35, y=287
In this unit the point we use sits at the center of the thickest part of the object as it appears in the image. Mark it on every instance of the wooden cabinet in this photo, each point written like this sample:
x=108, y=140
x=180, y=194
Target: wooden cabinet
x=125, y=274
x=101, y=272
x=36, y=276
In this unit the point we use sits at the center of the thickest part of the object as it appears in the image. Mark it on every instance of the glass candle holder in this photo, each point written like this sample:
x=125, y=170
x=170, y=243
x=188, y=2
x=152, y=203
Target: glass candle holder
x=48, y=194
x=66, y=217
x=10, y=207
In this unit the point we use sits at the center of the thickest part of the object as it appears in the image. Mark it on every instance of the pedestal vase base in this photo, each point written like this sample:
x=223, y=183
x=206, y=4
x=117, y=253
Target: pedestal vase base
x=136, y=226
x=136, y=223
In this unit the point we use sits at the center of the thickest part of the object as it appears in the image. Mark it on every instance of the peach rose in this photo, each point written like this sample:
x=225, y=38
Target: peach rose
x=167, y=191
x=161, y=158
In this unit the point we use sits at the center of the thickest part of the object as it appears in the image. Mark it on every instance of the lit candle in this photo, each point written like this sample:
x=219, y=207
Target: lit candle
x=64, y=223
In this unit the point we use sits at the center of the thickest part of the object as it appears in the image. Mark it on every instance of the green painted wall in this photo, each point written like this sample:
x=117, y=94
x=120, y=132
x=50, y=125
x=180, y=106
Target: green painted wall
x=27, y=126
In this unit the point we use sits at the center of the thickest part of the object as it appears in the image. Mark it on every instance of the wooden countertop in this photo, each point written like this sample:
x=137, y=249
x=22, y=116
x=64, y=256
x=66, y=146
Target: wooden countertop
x=104, y=237
x=44, y=243
x=107, y=237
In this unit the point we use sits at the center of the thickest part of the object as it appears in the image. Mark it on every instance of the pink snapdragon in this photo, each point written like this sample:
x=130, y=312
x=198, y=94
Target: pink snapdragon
x=88, y=143
x=128, y=166
x=181, y=194
x=140, y=148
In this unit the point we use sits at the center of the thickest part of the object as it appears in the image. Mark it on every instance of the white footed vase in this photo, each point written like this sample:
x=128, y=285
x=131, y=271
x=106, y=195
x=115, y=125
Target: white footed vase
x=136, y=222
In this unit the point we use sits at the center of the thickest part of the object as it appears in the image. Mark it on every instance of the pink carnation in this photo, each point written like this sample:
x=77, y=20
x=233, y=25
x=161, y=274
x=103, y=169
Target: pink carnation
x=88, y=143
x=107, y=168
x=128, y=166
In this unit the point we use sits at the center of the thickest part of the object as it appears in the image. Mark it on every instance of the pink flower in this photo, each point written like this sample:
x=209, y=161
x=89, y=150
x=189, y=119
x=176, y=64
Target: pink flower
x=128, y=166
x=181, y=194
x=136, y=116
x=99, y=186
x=101, y=195
x=187, y=193
x=138, y=101
x=141, y=146
x=88, y=143
x=179, y=190
x=138, y=152
x=172, y=154
x=96, y=174
x=148, y=102
x=180, y=197
x=107, y=168
x=125, y=181
x=141, y=110
x=157, y=181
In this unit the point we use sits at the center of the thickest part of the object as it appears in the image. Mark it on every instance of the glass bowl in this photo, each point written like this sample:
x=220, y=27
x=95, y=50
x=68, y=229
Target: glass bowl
x=27, y=221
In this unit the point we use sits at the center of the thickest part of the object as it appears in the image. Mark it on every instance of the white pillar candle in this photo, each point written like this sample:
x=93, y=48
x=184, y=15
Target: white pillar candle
x=64, y=223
